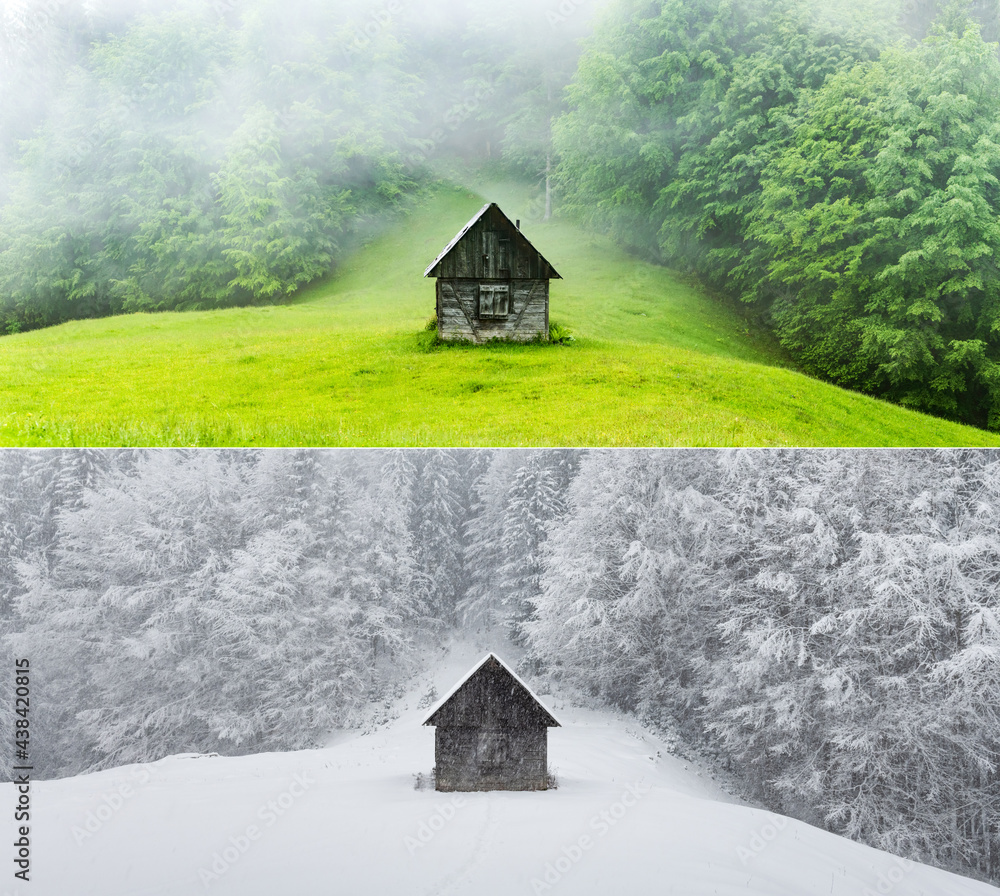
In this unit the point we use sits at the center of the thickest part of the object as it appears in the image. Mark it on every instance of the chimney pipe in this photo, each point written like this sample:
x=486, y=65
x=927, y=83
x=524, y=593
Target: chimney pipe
x=517, y=223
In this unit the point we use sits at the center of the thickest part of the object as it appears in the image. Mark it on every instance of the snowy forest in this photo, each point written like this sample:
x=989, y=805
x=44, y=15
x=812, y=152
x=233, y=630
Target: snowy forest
x=825, y=624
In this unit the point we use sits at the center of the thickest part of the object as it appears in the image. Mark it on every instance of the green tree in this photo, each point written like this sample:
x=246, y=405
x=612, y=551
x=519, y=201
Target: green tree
x=188, y=162
x=677, y=108
x=878, y=229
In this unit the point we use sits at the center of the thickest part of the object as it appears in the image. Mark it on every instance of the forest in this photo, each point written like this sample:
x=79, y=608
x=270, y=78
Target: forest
x=834, y=165
x=818, y=162
x=823, y=624
x=184, y=155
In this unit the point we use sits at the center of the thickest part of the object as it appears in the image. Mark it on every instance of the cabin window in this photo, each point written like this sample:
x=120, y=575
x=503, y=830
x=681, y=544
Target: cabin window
x=494, y=300
x=492, y=749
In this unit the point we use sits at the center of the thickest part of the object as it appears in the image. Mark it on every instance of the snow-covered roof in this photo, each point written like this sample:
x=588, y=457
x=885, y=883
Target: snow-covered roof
x=451, y=693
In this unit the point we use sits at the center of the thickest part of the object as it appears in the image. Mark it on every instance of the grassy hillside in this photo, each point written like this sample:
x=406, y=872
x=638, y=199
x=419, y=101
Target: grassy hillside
x=654, y=362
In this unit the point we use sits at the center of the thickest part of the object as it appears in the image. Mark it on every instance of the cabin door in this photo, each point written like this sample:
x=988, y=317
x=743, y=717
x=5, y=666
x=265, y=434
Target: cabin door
x=496, y=255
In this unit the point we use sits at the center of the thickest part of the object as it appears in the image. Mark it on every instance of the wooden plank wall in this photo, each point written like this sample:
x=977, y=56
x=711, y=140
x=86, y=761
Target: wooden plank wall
x=461, y=764
x=477, y=255
x=457, y=311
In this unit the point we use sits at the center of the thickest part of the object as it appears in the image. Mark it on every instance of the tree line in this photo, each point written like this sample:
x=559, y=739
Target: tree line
x=240, y=601
x=828, y=622
x=818, y=161
x=184, y=155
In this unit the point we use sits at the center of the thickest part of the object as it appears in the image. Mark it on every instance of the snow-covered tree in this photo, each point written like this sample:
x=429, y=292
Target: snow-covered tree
x=785, y=537
x=385, y=586
x=623, y=578
x=533, y=502
x=515, y=500
x=914, y=728
x=484, y=531
x=440, y=505
x=121, y=605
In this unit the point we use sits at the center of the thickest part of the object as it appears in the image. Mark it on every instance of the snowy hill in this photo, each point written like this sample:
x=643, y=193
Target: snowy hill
x=348, y=819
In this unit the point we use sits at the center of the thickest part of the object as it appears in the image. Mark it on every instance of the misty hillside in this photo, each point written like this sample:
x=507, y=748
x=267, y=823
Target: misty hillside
x=628, y=816
x=178, y=154
x=835, y=166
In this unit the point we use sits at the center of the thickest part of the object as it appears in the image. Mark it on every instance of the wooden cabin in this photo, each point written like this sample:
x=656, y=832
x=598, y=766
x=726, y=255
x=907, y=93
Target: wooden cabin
x=491, y=732
x=491, y=282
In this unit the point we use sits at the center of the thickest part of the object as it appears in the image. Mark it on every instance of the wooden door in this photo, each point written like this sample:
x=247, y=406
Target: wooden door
x=496, y=255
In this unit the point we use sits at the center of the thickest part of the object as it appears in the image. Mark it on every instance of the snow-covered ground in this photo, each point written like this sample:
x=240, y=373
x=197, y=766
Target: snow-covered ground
x=347, y=819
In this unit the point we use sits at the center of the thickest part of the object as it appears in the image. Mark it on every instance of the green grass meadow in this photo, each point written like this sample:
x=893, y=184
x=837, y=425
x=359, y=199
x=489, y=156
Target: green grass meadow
x=349, y=362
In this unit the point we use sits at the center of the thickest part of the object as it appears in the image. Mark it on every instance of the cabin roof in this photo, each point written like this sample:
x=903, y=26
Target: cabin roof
x=461, y=682
x=458, y=237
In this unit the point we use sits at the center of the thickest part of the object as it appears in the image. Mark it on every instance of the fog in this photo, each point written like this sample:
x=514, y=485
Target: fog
x=448, y=60
x=181, y=154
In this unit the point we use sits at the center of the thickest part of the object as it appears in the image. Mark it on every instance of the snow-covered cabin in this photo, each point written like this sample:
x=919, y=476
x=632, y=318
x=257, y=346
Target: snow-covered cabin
x=491, y=282
x=491, y=732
